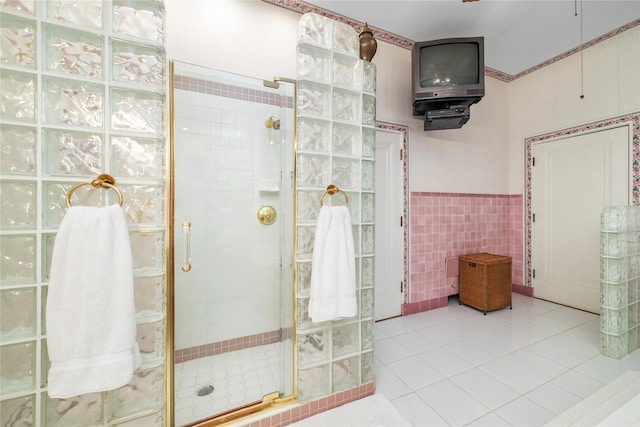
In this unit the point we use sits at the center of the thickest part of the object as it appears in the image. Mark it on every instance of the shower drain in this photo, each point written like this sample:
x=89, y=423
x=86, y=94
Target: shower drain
x=205, y=390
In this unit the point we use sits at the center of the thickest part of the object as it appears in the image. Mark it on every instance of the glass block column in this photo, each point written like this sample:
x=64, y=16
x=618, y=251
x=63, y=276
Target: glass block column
x=620, y=280
x=335, y=145
x=82, y=93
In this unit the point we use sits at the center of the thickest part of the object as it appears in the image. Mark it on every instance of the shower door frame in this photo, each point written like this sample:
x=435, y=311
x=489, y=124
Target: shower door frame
x=269, y=402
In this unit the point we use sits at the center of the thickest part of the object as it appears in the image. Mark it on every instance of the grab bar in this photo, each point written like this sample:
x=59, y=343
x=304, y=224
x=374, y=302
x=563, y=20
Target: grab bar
x=186, y=246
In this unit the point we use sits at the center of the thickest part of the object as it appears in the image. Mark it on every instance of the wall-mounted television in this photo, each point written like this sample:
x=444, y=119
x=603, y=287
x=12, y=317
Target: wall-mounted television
x=447, y=72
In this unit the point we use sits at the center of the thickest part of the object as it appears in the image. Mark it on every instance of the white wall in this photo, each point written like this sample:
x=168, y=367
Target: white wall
x=549, y=99
x=473, y=159
x=248, y=37
x=255, y=38
x=236, y=260
x=393, y=66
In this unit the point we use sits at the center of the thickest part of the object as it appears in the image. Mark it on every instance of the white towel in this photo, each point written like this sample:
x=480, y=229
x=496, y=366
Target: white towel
x=91, y=322
x=333, y=269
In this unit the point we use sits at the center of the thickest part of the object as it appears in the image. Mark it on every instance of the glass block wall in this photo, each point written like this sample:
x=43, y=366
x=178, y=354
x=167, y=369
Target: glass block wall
x=82, y=92
x=620, y=280
x=335, y=145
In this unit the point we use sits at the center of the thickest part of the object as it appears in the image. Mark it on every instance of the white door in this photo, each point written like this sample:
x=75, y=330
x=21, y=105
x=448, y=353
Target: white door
x=389, y=236
x=572, y=180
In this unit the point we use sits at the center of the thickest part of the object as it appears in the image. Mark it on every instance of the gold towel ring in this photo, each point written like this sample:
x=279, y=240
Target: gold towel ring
x=331, y=190
x=102, y=181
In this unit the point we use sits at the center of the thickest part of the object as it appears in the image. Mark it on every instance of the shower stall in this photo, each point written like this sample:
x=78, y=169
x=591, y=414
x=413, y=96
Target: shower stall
x=233, y=230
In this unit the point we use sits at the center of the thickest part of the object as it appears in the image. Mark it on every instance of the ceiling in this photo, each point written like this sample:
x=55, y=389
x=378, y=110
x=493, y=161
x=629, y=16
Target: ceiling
x=519, y=34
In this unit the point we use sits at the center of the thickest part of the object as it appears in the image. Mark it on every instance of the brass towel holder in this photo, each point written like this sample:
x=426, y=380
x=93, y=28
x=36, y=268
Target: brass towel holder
x=331, y=190
x=102, y=181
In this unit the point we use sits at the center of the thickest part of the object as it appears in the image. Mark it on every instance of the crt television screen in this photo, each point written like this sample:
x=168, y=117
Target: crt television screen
x=450, y=64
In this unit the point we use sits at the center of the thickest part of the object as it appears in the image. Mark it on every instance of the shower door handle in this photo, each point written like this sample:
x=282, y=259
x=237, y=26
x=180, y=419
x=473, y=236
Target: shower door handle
x=186, y=246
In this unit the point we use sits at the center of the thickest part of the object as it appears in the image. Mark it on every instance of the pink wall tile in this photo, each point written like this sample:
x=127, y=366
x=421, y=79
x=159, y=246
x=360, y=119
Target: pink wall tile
x=445, y=225
x=307, y=409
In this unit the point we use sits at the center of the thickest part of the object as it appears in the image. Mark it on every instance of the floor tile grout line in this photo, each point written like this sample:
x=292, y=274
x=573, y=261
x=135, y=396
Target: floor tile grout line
x=563, y=323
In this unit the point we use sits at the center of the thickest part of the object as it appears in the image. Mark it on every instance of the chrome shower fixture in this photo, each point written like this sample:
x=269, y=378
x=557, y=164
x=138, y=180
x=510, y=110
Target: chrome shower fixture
x=273, y=122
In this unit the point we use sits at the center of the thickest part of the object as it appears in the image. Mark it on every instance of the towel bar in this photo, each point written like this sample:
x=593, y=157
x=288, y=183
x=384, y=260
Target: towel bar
x=102, y=181
x=331, y=190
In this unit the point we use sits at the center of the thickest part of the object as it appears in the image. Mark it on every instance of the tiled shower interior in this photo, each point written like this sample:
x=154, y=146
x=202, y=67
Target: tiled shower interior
x=83, y=93
x=335, y=145
x=213, y=384
x=233, y=308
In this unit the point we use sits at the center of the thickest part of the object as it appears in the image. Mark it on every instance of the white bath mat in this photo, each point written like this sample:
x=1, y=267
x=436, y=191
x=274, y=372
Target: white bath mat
x=371, y=411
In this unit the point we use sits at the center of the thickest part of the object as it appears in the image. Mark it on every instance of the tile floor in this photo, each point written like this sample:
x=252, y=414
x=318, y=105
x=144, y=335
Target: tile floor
x=520, y=367
x=238, y=377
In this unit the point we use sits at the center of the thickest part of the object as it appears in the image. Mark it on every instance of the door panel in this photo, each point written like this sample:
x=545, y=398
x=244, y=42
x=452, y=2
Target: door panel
x=389, y=244
x=572, y=181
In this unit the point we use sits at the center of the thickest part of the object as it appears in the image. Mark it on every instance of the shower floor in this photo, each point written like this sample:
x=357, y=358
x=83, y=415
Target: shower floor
x=238, y=377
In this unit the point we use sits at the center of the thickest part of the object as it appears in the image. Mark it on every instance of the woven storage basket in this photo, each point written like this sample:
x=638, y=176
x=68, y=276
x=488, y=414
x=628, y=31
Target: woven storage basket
x=485, y=281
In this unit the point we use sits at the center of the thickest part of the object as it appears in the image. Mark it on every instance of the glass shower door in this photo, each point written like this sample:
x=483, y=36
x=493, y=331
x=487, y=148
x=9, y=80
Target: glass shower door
x=233, y=239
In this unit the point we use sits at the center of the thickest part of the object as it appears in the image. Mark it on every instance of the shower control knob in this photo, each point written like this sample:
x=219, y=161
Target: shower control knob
x=267, y=215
